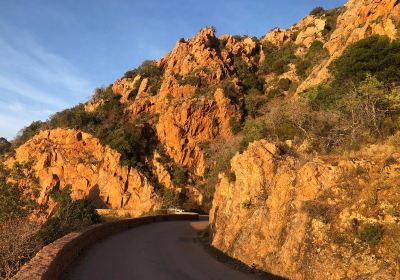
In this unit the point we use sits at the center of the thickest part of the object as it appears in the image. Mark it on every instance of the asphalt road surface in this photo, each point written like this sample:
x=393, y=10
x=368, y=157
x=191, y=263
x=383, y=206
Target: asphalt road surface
x=165, y=250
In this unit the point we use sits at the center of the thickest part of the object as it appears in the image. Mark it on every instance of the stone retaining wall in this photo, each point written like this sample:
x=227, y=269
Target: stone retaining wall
x=52, y=261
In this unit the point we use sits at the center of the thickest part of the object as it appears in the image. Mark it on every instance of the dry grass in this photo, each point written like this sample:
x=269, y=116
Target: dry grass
x=18, y=243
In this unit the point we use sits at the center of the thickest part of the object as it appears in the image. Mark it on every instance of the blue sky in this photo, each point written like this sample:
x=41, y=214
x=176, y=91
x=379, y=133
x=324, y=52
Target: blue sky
x=53, y=53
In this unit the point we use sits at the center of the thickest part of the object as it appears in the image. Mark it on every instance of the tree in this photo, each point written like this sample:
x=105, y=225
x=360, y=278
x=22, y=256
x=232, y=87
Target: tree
x=376, y=55
x=180, y=175
x=27, y=133
x=318, y=11
x=70, y=215
x=4, y=146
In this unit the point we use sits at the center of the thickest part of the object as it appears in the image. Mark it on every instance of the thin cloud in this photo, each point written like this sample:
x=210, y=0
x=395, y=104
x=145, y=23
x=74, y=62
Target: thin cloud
x=33, y=82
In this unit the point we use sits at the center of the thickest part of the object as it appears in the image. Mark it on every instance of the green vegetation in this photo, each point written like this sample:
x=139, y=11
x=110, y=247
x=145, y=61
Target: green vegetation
x=20, y=236
x=27, y=133
x=149, y=70
x=284, y=84
x=317, y=11
x=376, y=55
x=192, y=80
x=13, y=201
x=236, y=126
x=277, y=59
x=231, y=177
x=371, y=233
x=395, y=139
x=253, y=129
x=218, y=157
x=331, y=21
x=247, y=75
x=70, y=215
x=254, y=101
x=180, y=175
x=361, y=104
x=132, y=139
x=316, y=53
x=230, y=91
x=5, y=146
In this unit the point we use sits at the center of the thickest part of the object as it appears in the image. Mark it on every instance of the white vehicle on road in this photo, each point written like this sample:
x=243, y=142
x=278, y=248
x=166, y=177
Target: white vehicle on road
x=173, y=209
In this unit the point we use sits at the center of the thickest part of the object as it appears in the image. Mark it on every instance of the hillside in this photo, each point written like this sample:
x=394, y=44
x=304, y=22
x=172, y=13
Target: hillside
x=296, y=133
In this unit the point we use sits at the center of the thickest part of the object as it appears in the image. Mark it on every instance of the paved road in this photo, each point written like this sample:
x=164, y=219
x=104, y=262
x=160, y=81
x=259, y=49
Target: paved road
x=166, y=250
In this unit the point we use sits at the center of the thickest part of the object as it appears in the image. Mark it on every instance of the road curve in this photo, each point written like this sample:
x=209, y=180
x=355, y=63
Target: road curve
x=166, y=250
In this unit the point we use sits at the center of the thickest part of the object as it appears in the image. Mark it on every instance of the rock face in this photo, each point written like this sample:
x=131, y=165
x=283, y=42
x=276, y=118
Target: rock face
x=360, y=19
x=184, y=126
x=303, y=34
x=66, y=156
x=189, y=98
x=301, y=221
x=186, y=119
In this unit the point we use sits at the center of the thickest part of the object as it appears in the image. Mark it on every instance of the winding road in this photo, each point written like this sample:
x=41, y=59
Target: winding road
x=166, y=250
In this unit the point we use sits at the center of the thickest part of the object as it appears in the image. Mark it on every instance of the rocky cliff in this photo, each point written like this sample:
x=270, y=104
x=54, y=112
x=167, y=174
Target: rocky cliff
x=334, y=216
x=63, y=157
x=187, y=118
x=358, y=20
x=331, y=217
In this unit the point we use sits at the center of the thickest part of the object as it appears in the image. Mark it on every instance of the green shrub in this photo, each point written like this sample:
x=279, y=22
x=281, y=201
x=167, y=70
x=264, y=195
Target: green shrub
x=13, y=201
x=302, y=66
x=75, y=117
x=5, y=146
x=231, y=177
x=150, y=70
x=273, y=93
x=376, y=55
x=191, y=79
x=247, y=75
x=230, y=91
x=390, y=160
x=277, y=59
x=236, y=126
x=131, y=74
x=371, y=233
x=169, y=197
x=128, y=142
x=253, y=102
x=317, y=11
x=331, y=21
x=252, y=82
x=280, y=66
x=254, y=129
x=316, y=53
x=294, y=35
x=284, y=84
x=108, y=122
x=70, y=215
x=27, y=133
x=317, y=210
x=323, y=96
x=239, y=37
x=180, y=175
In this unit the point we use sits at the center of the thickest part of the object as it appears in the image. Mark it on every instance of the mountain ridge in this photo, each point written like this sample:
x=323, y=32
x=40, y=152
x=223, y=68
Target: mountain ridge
x=247, y=119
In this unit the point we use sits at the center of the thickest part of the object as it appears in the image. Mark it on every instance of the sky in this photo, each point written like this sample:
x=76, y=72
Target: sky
x=53, y=53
